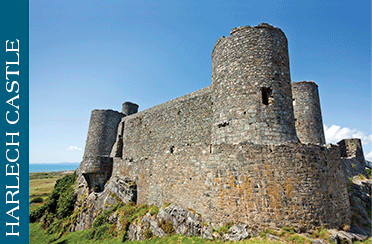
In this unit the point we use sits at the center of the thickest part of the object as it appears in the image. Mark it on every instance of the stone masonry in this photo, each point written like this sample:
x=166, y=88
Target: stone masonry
x=308, y=116
x=252, y=99
x=250, y=148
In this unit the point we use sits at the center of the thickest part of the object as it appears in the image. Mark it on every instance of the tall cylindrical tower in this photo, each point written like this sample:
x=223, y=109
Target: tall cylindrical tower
x=252, y=97
x=307, y=112
x=97, y=164
x=102, y=132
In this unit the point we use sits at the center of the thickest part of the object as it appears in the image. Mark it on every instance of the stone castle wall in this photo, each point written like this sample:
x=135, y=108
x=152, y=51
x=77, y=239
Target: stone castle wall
x=307, y=112
x=252, y=98
x=229, y=151
x=184, y=120
x=261, y=185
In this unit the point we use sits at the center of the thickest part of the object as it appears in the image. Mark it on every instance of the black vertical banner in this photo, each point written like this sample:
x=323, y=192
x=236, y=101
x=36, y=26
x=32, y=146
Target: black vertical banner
x=15, y=121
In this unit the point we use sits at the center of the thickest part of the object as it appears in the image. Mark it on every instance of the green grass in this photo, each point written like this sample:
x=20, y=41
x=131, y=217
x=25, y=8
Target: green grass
x=40, y=236
x=223, y=229
x=368, y=241
x=369, y=173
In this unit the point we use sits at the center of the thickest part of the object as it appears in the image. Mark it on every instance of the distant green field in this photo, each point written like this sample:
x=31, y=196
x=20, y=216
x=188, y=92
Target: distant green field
x=41, y=185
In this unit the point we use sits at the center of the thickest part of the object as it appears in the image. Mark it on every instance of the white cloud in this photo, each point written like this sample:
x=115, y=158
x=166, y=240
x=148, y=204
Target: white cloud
x=369, y=156
x=74, y=148
x=335, y=134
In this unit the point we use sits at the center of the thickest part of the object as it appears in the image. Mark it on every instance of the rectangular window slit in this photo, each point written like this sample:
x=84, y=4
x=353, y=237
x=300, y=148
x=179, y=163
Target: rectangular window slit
x=266, y=93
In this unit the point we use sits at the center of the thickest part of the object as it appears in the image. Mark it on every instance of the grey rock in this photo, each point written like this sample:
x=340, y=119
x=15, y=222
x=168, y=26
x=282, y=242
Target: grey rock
x=152, y=224
x=95, y=202
x=360, y=200
x=237, y=232
x=333, y=236
x=216, y=236
x=225, y=237
x=318, y=241
x=345, y=237
x=184, y=221
x=135, y=232
x=206, y=232
x=123, y=187
x=273, y=237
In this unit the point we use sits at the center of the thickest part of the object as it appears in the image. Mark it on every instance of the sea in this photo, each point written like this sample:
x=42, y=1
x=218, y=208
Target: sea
x=34, y=168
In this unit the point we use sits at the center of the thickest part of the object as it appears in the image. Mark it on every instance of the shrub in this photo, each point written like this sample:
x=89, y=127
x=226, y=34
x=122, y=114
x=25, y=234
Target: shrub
x=154, y=210
x=37, y=200
x=369, y=173
x=296, y=239
x=320, y=233
x=37, y=213
x=60, y=203
x=289, y=230
x=147, y=234
x=166, y=226
x=224, y=229
x=101, y=231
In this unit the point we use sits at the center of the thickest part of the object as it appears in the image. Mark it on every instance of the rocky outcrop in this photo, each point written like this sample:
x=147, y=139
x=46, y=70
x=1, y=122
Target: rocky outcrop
x=184, y=221
x=339, y=237
x=360, y=202
x=174, y=218
x=237, y=232
x=90, y=203
x=148, y=225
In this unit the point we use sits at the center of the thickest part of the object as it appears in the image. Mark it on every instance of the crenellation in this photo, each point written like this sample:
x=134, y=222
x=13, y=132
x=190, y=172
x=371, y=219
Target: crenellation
x=238, y=150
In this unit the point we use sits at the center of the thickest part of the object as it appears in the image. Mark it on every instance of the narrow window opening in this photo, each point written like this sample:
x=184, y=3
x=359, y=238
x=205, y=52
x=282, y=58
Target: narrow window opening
x=266, y=93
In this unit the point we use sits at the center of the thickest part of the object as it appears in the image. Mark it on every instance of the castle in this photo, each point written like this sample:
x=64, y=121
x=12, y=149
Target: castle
x=249, y=148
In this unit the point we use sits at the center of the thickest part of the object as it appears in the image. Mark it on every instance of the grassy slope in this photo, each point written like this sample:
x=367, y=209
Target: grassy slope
x=38, y=235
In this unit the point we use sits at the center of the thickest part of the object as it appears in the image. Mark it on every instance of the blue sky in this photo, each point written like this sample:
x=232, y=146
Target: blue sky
x=87, y=55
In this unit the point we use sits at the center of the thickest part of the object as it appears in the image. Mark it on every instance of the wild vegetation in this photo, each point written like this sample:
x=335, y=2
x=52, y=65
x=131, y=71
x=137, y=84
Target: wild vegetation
x=369, y=173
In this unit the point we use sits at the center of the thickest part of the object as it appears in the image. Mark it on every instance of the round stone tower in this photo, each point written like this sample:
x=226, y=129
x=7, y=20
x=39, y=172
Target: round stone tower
x=96, y=166
x=252, y=97
x=102, y=132
x=308, y=116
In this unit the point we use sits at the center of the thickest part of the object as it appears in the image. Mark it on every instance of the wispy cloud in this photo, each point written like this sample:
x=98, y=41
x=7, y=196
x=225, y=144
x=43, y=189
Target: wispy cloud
x=73, y=148
x=336, y=133
x=369, y=156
